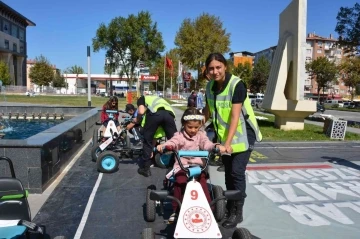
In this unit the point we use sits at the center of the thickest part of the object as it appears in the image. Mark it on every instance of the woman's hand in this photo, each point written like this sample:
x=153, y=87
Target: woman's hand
x=221, y=148
x=228, y=148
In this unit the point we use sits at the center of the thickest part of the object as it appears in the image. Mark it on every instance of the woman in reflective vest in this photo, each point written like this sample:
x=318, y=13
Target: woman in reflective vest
x=236, y=128
x=158, y=120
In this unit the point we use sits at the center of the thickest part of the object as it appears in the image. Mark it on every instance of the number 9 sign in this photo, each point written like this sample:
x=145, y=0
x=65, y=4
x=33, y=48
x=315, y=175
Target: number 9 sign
x=194, y=194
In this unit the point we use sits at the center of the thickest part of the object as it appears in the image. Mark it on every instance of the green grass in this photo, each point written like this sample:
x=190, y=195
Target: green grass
x=76, y=101
x=310, y=132
x=342, y=109
x=270, y=133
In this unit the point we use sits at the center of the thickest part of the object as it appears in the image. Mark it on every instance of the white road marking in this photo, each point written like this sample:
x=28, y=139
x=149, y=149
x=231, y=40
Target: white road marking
x=87, y=209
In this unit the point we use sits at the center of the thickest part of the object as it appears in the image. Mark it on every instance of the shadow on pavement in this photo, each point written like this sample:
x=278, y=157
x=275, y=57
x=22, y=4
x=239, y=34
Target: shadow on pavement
x=343, y=162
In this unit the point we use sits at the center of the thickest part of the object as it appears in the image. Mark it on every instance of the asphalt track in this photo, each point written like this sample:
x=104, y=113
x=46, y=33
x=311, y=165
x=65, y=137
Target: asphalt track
x=284, y=180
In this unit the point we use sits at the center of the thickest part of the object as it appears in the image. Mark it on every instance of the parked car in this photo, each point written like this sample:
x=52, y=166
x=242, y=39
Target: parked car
x=332, y=103
x=348, y=104
x=30, y=93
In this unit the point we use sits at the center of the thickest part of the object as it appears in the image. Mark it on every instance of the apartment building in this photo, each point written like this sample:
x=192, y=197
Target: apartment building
x=318, y=46
x=241, y=57
x=13, y=48
x=268, y=53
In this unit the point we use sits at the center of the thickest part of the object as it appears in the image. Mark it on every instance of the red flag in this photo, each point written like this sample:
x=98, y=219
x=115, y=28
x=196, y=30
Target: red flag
x=169, y=64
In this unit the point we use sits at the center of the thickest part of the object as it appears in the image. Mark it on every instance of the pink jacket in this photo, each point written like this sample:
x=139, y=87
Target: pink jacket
x=182, y=141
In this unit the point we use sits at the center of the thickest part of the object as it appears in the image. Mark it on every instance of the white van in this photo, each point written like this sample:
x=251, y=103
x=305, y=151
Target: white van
x=256, y=99
x=334, y=102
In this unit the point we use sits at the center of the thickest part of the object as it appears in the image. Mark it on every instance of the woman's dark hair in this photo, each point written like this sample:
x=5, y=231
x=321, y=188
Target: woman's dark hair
x=189, y=111
x=215, y=56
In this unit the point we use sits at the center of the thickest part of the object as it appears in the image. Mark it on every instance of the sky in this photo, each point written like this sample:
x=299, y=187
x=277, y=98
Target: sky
x=65, y=28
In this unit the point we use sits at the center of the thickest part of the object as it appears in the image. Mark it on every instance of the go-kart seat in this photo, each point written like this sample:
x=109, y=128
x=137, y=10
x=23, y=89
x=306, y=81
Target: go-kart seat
x=15, y=213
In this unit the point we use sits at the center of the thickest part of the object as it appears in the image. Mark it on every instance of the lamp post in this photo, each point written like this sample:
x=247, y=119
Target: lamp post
x=89, y=76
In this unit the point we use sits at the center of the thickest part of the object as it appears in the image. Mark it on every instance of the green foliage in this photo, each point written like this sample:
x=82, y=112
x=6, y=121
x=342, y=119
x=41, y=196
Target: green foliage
x=75, y=69
x=59, y=80
x=324, y=70
x=348, y=27
x=260, y=75
x=5, y=73
x=129, y=40
x=197, y=39
x=244, y=72
x=42, y=73
x=350, y=69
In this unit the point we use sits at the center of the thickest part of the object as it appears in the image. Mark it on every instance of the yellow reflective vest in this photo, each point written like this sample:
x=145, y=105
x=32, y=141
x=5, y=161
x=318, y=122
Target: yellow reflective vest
x=220, y=109
x=153, y=103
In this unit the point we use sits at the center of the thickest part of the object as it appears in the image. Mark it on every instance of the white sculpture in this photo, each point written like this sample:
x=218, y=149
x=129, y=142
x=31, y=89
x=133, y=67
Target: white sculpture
x=284, y=95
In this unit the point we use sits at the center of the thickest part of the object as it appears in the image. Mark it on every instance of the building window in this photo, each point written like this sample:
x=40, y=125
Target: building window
x=14, y=31
x=338, y=52
x=21, y=34
x=7, y=44
x=308, y=51
x=320, y=43
x=6, y=27
x=319, y=51
x=14, y=47
x=22, y=47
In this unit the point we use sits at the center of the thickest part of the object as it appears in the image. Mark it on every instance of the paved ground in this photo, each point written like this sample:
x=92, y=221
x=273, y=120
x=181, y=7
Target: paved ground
x=295, y=190
x=285, y=200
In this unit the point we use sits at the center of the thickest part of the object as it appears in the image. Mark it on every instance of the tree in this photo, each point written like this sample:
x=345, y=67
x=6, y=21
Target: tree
x=5, y=73
x=42, y=73
x=129, y=40
x=350, y=69
x=196, y=39
x=243, y=71
x=59, y=80
x=75, y=69
x=348, y=27
x=324, y=72
x=260, y=76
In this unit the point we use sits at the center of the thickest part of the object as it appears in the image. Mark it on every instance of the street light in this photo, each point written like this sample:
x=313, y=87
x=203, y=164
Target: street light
x=89, y=76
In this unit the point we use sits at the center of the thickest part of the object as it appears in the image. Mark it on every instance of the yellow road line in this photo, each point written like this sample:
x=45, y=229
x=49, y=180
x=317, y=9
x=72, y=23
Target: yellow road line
x=256, y=155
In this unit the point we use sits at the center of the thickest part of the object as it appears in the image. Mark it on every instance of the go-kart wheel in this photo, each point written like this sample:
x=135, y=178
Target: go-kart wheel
x=220, y=205
x=78, y=135
x=95, y=152
x=148, y=233
x=108, y=162
x=150, y=206
x=241, y=233
x=158, y=161
x=95, y=138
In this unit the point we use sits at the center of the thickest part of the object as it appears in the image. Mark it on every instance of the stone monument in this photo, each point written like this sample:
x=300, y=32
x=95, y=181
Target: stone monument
x=284, y=96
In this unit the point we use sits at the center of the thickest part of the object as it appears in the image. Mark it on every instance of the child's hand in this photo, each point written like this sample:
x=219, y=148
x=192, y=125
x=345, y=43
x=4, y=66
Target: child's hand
x=221, y=148
x=159, y=148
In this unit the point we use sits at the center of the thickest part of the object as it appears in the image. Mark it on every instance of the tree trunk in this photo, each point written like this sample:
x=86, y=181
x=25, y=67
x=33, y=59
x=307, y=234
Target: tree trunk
x=318, y=92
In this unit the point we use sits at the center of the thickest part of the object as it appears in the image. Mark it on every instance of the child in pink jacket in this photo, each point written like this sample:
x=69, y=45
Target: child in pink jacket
x=190, y=137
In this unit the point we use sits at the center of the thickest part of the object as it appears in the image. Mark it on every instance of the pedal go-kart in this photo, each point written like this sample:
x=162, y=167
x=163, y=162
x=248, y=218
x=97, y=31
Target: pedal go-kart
x=15, y=217
x=196, y=219
x=113, y=145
